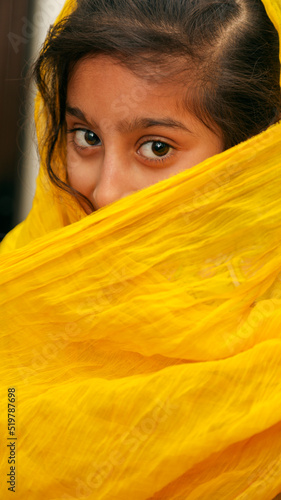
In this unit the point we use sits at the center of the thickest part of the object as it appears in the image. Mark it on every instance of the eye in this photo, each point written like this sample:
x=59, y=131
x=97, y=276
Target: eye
x=85, y=138
x=155, y=149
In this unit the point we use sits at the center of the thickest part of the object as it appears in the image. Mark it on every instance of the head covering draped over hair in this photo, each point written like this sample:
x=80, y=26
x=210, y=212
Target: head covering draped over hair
x=143, y=342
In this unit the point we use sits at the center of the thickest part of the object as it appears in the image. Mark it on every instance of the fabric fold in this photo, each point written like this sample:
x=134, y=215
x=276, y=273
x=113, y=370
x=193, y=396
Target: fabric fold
x=143, y=341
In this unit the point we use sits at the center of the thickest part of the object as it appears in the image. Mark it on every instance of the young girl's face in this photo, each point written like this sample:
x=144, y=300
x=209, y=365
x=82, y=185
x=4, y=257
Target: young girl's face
x=126, y=133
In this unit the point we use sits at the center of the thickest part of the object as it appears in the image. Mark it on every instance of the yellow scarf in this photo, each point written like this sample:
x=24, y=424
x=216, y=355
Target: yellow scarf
x=143, y=343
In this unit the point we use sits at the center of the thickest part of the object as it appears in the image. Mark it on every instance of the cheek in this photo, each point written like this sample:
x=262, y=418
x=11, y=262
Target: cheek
x=207, y=148
x=214, y=144
x=79, y=173
x=210, y=150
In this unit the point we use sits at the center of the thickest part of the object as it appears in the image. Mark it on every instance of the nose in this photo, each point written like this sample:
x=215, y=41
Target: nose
x=113, y=182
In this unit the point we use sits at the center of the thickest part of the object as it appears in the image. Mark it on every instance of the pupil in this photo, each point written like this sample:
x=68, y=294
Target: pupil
x=91, y=138
x=160, y=148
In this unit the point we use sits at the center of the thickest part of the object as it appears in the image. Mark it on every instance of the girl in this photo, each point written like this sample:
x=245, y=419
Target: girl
x=191, y=80
x=141, y=345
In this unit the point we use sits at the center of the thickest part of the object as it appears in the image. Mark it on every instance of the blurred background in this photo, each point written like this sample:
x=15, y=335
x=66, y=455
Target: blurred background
x=23, y=27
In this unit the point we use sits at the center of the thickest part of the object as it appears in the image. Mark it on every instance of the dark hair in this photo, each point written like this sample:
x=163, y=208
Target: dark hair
x=231, y=46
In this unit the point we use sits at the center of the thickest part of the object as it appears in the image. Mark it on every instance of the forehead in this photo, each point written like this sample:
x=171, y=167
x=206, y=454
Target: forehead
x=109, y=97
x=103, y=75
x=164, y=69
x=109, y=93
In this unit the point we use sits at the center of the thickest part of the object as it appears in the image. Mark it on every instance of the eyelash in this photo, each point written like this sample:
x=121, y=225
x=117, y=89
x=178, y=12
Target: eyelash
x=72, y=131
x=156, y=160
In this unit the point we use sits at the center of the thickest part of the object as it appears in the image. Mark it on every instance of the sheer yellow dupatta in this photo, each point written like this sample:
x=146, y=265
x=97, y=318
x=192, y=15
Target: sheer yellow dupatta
x=143, y=342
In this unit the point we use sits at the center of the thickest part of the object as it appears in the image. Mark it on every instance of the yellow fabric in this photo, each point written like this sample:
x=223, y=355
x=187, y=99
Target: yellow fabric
x=144, y=341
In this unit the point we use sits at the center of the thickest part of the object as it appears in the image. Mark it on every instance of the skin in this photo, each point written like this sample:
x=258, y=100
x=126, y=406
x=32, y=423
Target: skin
x=126, y=133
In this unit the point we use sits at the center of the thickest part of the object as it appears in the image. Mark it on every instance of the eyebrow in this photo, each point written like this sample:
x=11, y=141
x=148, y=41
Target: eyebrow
x=125, y=126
